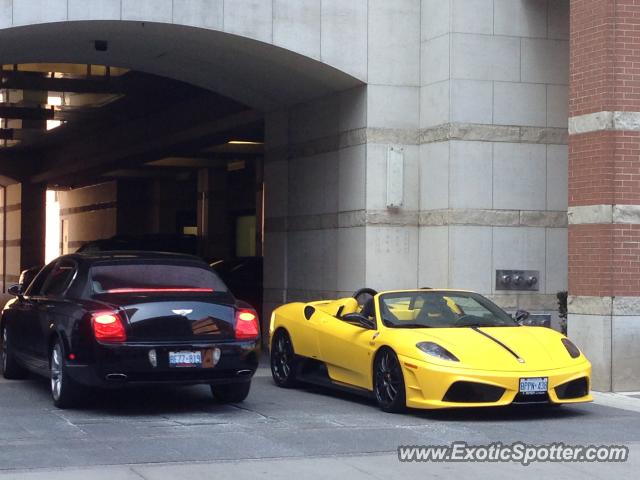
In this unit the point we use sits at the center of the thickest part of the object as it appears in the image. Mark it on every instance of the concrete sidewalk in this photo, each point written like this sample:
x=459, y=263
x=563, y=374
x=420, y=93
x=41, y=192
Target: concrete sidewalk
x=352, y=467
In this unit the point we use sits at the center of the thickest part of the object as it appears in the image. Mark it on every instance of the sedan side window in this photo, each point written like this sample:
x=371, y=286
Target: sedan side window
x=36, y=286
x=59, y=279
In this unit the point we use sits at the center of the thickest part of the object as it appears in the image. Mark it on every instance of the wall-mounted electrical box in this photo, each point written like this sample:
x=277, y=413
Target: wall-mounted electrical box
x=520, y=280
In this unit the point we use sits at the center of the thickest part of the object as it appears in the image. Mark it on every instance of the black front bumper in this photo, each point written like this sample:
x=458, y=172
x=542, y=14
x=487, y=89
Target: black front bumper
x=129, y=364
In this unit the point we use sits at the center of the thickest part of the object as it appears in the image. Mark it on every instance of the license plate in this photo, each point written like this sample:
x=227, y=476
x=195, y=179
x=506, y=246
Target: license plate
x=533, y=386
x=185, y=359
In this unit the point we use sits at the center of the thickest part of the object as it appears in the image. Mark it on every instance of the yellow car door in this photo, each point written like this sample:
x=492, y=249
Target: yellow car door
x=347, y=351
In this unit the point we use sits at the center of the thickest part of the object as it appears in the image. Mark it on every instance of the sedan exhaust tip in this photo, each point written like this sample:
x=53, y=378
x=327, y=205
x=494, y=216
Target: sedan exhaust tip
x=116, y=377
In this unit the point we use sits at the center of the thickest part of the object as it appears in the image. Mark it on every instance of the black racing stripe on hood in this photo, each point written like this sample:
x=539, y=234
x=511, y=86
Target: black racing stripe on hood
x=518, y=357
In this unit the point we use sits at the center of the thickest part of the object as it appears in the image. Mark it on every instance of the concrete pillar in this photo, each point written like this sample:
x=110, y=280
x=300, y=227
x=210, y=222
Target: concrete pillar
x=276, y=195
x=493, y=154
x=213, y=218
x=135, y=215
x=604, y=198
x=13, y=221
x=89, y=213
x=33, y=225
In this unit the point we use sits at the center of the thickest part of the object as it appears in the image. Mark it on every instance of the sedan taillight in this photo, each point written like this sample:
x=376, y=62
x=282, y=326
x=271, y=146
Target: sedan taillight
x=247, y=326
x=108, y=327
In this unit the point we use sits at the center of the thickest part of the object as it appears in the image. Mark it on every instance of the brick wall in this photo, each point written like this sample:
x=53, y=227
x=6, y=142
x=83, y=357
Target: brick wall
x=605, y=49
x=604, y=166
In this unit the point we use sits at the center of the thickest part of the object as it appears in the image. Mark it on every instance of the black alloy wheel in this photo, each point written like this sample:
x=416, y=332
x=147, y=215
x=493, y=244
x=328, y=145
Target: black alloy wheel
x=11, y=370
x=388, y=382
x=64, y=392
x=283, y=362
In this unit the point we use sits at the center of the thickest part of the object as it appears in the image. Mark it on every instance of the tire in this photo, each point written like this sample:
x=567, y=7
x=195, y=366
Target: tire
x=283, y=360
x=11, y=369
x=65, y=393
x=231, y=393
x=388, y=382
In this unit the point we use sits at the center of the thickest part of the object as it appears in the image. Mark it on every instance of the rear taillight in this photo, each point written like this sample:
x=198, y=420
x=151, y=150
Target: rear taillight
x=108, y=327
x=247, y=325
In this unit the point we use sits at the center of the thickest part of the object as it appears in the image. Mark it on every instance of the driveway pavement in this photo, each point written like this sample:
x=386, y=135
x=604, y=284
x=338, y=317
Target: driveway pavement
x=276, y=433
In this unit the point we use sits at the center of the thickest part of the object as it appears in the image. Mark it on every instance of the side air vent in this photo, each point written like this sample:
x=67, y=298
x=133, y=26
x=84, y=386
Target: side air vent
x=471, y=392
x=308, y=312
x=574, y=389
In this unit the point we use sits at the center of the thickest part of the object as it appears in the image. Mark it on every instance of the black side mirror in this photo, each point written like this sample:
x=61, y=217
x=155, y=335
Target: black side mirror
x=15, y=290
x=521, y=316
x=359, y=320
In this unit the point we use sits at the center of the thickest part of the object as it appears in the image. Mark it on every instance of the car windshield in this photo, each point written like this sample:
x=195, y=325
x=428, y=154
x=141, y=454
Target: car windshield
x=131, y=278
x=433, y=309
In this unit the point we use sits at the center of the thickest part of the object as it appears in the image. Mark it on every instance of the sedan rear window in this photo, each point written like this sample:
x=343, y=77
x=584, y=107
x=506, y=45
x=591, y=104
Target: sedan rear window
x=154, y=278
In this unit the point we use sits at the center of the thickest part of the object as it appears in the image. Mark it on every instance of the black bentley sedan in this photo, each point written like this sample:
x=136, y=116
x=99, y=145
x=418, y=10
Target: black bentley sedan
x=110, y=319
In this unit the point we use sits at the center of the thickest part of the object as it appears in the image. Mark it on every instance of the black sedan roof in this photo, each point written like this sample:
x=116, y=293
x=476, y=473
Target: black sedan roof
x=126, y=255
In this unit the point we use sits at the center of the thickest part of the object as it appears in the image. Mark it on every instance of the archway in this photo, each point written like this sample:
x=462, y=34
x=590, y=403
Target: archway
x=253, y=84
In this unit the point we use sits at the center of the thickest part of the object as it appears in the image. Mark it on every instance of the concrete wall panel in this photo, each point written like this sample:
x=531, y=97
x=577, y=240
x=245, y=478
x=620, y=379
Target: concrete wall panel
x=470, y=175
x=519, y=176
x=377, y=177
x=394, y=42
x=26, y=12
x=6, y=13
x=434, y=104
x=483, y=57
x=558, y=19
x=95, y=9
x=199, y=13
x=470, y=258
x=392, y=255
x=249, y=18
x=436, y=18
x=296, y=26
x=472, y=101
x=520, y=104
x=148, y=10
x=434, y=176
x=393, y=107
x=557, y=259
x=545, y=61
x=436, y=59
x=520, y=248
x=521, y=18
x=557, y=106
x=344, y=36
x=434, y=257
x=592, y=334
x=352, y=178
x=557, y=177
x=472, y=16
x=351, y=259
x=625, y=353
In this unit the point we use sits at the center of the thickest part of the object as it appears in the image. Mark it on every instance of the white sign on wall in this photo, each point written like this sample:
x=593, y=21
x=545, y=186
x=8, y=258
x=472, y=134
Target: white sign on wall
x=395, y=177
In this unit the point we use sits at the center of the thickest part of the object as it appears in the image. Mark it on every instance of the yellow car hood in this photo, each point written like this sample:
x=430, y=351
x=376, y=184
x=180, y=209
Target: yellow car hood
x=539, y=348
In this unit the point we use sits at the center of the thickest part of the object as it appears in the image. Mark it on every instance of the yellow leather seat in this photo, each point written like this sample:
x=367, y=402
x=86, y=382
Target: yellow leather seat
x=350, y=305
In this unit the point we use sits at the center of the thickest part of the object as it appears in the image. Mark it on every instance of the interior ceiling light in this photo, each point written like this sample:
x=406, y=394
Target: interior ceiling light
x=244, y=142
x=62, y=70
x=51, y=124
x=55, y=101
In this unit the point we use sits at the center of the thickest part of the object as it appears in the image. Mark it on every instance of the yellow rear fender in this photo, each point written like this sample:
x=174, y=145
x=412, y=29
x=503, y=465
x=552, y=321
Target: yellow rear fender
x=286, y=317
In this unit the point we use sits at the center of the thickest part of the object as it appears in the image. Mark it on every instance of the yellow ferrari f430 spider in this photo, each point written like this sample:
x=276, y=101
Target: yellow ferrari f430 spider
x=425, y=349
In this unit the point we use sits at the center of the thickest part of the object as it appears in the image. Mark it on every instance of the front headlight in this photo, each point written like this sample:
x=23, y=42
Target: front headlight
x=435, y=350
x=571, y=348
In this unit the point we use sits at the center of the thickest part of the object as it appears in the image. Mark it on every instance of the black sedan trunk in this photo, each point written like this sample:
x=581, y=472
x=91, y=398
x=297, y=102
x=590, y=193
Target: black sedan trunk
x=175, y=319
